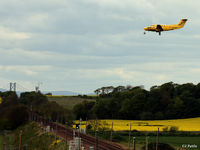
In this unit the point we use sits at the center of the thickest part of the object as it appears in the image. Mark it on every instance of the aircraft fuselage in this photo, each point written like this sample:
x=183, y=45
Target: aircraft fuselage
x=160, y=28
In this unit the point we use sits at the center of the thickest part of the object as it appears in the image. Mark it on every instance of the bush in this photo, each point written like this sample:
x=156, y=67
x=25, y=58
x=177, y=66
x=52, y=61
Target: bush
x=89, y=127
x=173, y=129
x=165, y=129
x=161, y=146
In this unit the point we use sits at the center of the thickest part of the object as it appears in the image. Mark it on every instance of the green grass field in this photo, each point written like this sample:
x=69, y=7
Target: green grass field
x=67, y=101
x=175, y=141
x=1, y=142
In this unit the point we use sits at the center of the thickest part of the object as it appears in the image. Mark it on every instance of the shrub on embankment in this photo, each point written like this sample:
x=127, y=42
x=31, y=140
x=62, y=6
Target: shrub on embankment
x=34, y=137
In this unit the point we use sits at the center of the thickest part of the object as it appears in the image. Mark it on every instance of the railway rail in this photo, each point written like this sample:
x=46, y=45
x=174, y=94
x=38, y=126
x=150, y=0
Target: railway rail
x=68, y=133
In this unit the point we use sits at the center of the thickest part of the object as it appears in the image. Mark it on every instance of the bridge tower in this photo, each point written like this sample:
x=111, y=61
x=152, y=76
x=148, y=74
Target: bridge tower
x=13, y=86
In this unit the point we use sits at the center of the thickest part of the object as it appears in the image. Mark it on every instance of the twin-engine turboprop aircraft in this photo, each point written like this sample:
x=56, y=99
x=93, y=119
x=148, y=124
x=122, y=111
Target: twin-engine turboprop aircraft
x=159, y=28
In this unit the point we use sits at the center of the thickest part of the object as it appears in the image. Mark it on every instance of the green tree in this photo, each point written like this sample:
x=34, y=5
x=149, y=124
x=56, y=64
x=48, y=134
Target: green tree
x=83, y=110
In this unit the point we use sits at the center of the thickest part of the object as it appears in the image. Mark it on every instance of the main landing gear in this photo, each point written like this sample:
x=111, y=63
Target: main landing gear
x=159, y=32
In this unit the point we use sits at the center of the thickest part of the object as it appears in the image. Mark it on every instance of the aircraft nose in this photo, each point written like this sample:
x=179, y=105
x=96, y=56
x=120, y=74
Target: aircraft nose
x=145, y=28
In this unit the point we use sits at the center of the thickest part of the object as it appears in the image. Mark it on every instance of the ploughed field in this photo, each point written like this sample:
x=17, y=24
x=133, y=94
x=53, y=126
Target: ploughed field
x=191, y=124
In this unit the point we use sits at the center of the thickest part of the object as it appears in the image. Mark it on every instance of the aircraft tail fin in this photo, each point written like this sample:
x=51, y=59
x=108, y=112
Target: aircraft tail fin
x=182, y=22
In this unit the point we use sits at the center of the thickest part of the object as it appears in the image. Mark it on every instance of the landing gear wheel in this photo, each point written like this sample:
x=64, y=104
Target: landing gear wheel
x=144, y=32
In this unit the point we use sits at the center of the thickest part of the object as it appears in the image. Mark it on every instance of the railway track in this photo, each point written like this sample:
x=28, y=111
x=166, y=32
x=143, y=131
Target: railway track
x=67, y=133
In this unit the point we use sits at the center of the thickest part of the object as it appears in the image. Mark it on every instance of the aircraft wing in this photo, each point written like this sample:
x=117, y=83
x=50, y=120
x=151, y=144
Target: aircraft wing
x=159, y=27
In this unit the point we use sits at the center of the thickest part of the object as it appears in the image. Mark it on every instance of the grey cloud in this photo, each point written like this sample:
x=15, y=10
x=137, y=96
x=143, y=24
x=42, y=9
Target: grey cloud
x=92, y=43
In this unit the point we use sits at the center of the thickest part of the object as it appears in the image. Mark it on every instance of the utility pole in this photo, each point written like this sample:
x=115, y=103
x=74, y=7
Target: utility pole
x=56, y=130
x=20, y=139
x=66, y=132
x=129, y=142
x=96, y=136
x=86, y=126
x=111, y=132
x=146, y=143
x=80, y=121
x=79, y=142
x=133, y=143
x=74, y=134
x=157, y=140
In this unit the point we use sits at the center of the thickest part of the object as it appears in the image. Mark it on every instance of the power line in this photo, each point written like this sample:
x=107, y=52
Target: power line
x=21, y=88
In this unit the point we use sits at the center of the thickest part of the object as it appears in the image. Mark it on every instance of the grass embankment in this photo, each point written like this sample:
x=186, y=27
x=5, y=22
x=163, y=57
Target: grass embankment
x=1, y=142
x=68, y=101
x=34, y=138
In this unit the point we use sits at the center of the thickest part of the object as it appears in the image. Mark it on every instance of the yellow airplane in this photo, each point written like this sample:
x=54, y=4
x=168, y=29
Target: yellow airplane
x=159, y=28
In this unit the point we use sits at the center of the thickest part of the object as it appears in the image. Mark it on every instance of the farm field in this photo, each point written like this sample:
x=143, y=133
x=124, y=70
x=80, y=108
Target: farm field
x=67, y=101
x=191, y=124
x=175, y=141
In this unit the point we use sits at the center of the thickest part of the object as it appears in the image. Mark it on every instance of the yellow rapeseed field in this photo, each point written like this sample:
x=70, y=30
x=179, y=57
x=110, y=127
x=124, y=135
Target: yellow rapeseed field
x=191, y=124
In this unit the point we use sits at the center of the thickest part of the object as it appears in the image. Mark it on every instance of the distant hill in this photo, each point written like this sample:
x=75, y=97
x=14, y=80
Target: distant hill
x=91, y=94
x=53, y=92
x=61, y=92
x=2, y=90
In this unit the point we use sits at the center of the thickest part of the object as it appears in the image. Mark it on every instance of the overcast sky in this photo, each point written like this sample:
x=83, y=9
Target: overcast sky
x=81, y=45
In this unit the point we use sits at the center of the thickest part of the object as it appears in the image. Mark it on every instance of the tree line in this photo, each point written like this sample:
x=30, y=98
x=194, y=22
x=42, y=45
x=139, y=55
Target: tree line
x=14, y=110
x=167, y=101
